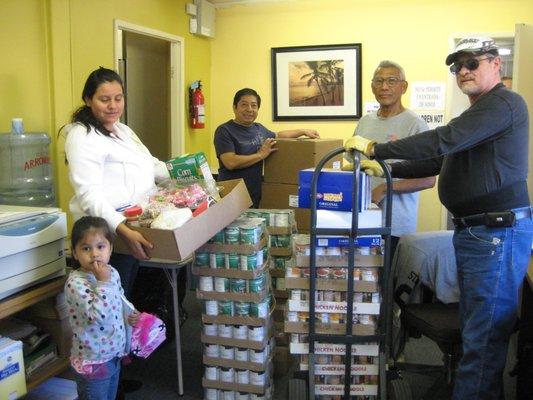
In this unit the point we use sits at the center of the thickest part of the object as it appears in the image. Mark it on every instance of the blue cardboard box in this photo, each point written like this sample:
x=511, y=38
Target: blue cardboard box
x=334, y=190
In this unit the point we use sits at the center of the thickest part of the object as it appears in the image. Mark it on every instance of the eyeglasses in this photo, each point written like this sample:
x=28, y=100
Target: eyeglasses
x=392, y=81
x=470, y=64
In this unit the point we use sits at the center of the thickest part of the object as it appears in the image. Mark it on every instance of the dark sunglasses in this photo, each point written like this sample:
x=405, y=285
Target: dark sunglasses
x=470, y=64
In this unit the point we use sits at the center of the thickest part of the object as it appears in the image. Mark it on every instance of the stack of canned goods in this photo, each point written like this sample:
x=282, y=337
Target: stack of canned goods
x=339, y=273
x=277, y=218
x=280, y=240
x=218, y=394
x=241, y=332
x=244, y=262
x=241, y=231
x=256, y=356
x=302, y=247
x=232, y=308
x=233, y=285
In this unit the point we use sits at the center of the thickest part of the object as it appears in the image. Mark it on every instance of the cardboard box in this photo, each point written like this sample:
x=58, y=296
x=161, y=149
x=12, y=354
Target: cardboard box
x=338, y=390
x=338, y=369
x=341, y=261
x=337, y=285
x=334, y=190
x=222, y=362
x=328, y=329
x=179, y=243
x=371, y=350
x=334, y=307
x=242, y=343
x=12, y=378
x=279, y=195
x=292, y=155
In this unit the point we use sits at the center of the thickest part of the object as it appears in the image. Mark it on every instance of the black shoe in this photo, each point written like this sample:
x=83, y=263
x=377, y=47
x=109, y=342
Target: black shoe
x=130, y=385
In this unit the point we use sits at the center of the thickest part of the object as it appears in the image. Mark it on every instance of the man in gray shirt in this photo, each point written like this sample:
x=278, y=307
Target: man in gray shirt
x=393, y=121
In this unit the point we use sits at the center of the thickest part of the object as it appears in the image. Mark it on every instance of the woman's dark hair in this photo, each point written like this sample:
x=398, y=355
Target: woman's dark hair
x=246, y=92
x=85, y=224
x=84, y=114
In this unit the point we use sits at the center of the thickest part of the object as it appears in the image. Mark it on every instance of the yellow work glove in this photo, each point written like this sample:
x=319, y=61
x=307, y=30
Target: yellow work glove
x=359, y=143
x=347, y=167
x=372, y=168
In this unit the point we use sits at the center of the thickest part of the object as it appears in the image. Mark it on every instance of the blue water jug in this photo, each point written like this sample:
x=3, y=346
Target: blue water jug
x=25, y=168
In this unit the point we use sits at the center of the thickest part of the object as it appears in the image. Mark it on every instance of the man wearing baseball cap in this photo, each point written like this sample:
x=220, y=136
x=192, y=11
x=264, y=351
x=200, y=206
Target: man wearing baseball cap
x=482, y=159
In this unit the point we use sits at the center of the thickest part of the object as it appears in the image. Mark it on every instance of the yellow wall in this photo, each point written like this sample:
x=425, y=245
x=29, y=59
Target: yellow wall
x=414, y=33
x=50, y=46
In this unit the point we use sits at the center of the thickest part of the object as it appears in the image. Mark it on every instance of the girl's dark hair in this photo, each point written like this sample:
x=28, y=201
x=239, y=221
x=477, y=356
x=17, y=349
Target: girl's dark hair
x=246, y=92
x=83, y=225
x=84, y=114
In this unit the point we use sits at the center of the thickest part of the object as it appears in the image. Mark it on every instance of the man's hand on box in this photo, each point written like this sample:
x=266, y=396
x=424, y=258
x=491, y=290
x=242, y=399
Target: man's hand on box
x=360, y=144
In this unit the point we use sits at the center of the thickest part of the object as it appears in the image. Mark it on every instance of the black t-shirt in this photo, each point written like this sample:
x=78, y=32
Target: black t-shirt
x=231, y=137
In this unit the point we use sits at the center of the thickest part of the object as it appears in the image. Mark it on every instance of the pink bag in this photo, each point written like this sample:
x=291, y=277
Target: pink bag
x=147, y=335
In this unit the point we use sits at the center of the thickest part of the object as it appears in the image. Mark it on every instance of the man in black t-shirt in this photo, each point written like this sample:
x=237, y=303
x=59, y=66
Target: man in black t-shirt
x=242, y=144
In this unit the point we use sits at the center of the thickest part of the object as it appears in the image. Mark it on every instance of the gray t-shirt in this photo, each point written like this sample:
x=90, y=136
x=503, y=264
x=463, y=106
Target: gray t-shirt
x=407, y=123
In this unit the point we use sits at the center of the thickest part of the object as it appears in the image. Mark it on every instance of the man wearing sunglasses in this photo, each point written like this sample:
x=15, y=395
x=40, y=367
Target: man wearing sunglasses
x=482, y=159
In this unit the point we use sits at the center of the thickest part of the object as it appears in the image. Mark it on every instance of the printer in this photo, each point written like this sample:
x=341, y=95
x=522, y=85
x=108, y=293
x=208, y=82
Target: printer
x=32, y=246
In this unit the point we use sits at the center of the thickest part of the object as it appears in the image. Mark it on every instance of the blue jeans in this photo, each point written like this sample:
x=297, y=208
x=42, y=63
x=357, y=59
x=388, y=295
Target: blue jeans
x=491, y=265
x=102, y=384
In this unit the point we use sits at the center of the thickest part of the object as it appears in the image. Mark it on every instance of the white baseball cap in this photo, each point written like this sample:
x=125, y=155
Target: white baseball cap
x=473, y=44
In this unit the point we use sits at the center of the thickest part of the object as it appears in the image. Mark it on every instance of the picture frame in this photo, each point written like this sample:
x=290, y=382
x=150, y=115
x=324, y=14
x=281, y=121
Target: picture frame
x=316, y=82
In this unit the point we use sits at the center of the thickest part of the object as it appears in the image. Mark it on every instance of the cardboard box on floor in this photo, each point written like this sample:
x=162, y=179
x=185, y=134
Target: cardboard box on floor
x=179, y=243
x=293, y=155
x=280, y=195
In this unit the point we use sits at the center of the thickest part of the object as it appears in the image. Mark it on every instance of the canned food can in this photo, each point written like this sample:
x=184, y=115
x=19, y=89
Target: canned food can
x=259, y=310
x=212, y=350
x=282, y=219
x=227, y=352
x=283, y=241
x=225, y=307
x=217, y=260
x=324, y=318
x=218, y=238
x=240, y=332
x=201, y=259
x=295, y=338
x=227, y=374
x=210, y=329
x=259, y=259
x=242, y=396
x=206, y=283
x=292, y=316
x=296, y=294
x=232, y=260
x=242, y=376
x=227, y=395
x=221, y=284
x=257, y=378
x=256, y=333
x=250, y=234
x=256, y=285
x=257, y=356
x=225, y=330
x=248, y=262
x=231, y=234
x=210, y=394
x=323, y=359
x=242, y=309
x=237, y=285
x=293, y=272
x=240, y=353
x=211, y=373
x=210, y=307
x=255, y=396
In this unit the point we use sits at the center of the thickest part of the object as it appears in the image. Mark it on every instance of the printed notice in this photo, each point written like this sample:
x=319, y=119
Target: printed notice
x=427, y=95
x=432, y=118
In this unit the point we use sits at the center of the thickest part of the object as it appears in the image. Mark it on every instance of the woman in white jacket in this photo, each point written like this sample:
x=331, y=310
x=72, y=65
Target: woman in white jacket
x=109, y=168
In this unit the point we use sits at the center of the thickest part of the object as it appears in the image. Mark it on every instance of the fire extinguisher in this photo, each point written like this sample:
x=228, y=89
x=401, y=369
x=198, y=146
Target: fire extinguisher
x=196, y=105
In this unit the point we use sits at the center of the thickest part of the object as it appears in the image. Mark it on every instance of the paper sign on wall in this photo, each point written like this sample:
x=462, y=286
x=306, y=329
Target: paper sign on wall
x=432, y=118
x=427, y=95
x=371, y=106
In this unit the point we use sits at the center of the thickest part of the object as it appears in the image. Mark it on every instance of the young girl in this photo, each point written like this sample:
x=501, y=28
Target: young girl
x=93, y=294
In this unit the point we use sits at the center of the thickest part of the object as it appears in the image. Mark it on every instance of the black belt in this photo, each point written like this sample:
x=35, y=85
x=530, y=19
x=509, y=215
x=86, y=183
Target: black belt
x=492, y=219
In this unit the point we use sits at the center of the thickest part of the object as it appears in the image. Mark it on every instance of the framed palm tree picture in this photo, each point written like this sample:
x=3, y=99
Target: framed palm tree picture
x=316, y=82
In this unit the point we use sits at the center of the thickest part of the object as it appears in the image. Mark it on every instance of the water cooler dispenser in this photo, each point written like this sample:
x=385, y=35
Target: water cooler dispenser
x=25, y=168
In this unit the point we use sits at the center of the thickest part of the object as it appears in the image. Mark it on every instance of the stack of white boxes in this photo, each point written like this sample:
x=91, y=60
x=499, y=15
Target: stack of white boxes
x=234, y=287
